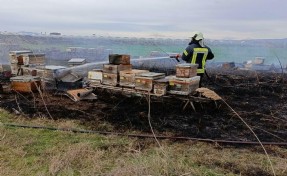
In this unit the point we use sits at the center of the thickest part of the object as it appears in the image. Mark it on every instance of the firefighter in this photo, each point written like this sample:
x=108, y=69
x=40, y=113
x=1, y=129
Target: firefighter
x=197, y=53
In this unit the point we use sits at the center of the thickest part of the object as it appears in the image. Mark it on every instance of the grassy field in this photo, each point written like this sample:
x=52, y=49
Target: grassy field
x=26, y=151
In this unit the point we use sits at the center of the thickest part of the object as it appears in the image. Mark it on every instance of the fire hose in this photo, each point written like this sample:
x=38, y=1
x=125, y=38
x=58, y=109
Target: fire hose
x=146, y=135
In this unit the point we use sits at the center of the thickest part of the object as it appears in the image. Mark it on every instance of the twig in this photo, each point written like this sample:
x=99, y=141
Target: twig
x=149, y=121
x=20, y=110
x=118, y=104
x=3, y=137
x=270, y=133
x=34, y=99
x=81, y=111
x=272, y=115
x=280, y=65
x=253, y=134
x=40, y=92
x=21, y=95
x=189, y=173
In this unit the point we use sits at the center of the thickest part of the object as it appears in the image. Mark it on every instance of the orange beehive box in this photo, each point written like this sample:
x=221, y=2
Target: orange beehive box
x=25, y=83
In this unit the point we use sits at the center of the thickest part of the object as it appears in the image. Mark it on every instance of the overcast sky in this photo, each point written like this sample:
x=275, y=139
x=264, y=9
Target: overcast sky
x=217, y=19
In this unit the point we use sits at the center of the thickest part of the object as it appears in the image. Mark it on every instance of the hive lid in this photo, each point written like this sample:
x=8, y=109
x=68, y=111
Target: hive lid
x=151, y=74
x=25, y=78
x=54, y=67
x=194, y=78
x=20, y=52
x=163, y=80
x=187, y=65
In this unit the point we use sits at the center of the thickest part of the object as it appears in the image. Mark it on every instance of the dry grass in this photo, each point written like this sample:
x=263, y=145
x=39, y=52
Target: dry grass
x=43, y=152
x=81, y=155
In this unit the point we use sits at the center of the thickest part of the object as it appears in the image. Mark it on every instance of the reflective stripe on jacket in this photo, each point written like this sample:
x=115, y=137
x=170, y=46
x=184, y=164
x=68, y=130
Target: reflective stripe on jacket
x=196, y=54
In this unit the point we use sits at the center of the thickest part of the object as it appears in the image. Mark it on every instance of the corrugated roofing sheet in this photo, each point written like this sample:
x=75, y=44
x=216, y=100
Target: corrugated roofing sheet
x=54, y=67
x=20, y=52
x=77, y=60
x=35, y=54
x=70, y=78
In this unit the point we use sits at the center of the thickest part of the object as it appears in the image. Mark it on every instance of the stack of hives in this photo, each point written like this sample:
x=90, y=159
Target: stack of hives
x=26, y=63
x=28, y=67
x=119, y=72
x=17, y=61
x=111, y=71
x=185, y=81
x=20, y=60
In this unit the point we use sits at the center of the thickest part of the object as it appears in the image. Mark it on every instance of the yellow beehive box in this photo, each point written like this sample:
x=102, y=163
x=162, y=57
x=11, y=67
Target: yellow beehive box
x=127, y=77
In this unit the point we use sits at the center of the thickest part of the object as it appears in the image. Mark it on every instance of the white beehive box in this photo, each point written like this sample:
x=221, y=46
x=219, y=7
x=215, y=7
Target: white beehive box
x=95, y=76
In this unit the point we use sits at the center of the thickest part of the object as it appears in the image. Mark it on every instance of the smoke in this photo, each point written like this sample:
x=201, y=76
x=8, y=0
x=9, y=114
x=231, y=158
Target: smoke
x=60, y=49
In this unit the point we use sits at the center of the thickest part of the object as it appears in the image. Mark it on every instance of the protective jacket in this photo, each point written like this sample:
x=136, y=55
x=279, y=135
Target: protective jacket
x=196, y=54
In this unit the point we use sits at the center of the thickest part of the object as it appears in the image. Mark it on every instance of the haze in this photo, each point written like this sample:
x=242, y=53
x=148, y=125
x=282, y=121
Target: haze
x=217, y=19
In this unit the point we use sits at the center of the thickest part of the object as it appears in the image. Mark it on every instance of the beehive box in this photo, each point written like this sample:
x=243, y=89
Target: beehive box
x=16, y=57
x=28, y=71
x=118, y=59
x=186, y=70
x=258, y=60
x=111, y=68
x=13, y=59
x=25, y=84
x=95, y=76
x=160, y=86
x=144, y=81
x=228, y=65
x=34, y=59
x=110, y=79
x=15, y=68
x=183, y=86
x=20, y=60
x=127, y=77
x=50, y=70
x=48, y=74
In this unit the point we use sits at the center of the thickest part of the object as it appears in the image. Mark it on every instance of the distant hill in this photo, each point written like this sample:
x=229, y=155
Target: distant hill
x=97, y=48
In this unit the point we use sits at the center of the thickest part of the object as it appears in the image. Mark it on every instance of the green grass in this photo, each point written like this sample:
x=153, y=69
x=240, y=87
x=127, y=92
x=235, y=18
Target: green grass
x=26, y=151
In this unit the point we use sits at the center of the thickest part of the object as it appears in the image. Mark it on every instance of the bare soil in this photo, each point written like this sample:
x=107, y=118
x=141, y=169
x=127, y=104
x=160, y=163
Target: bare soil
x=259, y=98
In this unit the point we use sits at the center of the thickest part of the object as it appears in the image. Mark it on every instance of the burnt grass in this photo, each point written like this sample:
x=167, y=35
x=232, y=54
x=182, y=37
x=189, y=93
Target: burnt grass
x=259, y=98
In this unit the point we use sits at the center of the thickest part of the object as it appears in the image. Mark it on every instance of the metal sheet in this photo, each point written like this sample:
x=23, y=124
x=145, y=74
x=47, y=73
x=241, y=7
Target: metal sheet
x=77, y=60
x=81, y=94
